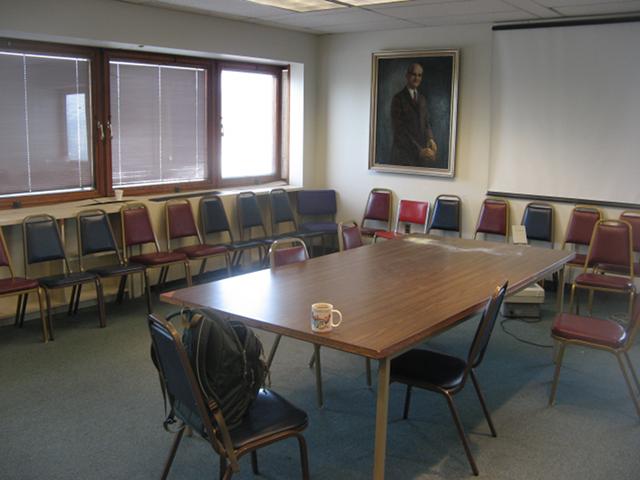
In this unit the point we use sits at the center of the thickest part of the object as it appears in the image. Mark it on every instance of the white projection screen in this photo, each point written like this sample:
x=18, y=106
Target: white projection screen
x=566, y=112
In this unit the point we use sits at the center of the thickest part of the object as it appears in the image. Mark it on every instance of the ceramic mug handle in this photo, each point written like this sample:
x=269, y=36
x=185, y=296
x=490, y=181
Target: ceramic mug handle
x=334, y=311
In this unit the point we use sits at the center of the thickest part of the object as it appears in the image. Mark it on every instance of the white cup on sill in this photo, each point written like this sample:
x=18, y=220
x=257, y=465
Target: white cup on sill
x=119, y=194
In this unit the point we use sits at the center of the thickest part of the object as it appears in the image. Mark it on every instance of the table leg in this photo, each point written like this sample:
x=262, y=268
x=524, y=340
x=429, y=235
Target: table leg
x=560, y=295
x=316, y=354
x=382, y=407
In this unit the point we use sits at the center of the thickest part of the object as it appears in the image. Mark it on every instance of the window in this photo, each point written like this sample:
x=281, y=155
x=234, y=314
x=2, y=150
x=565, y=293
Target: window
x=77, y=122
x=44, y=124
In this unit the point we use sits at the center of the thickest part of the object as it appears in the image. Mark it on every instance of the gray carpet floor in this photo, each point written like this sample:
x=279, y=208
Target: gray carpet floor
x=88, y=406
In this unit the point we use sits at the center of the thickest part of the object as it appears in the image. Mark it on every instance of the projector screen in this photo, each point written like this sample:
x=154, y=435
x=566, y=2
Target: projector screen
x=566, y=112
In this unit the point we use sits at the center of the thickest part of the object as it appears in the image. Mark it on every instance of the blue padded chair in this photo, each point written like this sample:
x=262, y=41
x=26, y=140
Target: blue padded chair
x=446, y=214
x=282, y=215
x=317, y=210
x=250, y=220
x=95, y=236
x=538, y=222
x=43, y=243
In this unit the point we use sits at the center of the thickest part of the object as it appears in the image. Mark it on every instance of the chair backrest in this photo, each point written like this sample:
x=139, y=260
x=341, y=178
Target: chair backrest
x=249, y=215
x=5, y=258
x=378, y=206
x=487, y=322
x=633, y=218
x=136, y=226
x=317, y=202
x=179, y=220
x=494, y=217
x=413, y=212
x=213, y=216
x=446, y=213
x=95, y=234
x=611, y=244
x=42, y=240
x=538, y=221
x=581, y=223
x=281, y=211
x=180, y=382
x=280, y=255
x=349, y=235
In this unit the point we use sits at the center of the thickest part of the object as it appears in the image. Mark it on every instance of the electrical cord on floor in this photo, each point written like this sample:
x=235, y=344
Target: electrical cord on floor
x=522, y=340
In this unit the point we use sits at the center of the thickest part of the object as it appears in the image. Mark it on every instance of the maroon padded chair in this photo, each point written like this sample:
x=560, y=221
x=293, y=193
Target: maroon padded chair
x=180, y=225
x=22, y=287
x=633, y=219
x=579, y=230
x=377, y=211
x=601, y=334
x=611, y=245
x=493, y=218
x=410, y=212
x=137, y=232
x=349, y=235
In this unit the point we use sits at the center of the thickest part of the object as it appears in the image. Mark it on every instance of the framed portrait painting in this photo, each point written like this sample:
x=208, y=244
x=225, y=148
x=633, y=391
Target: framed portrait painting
x=414, y=98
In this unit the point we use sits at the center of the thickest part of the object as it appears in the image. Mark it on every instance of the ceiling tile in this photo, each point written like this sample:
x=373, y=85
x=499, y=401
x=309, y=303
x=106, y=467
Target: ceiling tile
x=600, y=8
x=470, y=7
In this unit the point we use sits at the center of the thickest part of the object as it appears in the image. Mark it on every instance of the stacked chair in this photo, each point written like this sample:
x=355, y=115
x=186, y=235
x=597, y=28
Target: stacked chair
x=410, y=212
x=493, y=218
x=582, y=221
x=282, y=215
x=446, y=214
x=250, y=219
x=317, y=210
x=377, y=212
x=537, y=219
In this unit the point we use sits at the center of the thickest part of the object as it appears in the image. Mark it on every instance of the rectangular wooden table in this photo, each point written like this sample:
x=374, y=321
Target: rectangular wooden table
x=392, y=295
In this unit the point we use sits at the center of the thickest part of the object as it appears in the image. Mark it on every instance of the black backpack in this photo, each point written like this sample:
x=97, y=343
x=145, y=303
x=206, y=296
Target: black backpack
x=226, y=358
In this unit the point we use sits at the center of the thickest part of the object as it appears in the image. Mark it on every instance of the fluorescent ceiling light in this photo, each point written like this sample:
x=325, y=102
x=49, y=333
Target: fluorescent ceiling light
x=315, y=5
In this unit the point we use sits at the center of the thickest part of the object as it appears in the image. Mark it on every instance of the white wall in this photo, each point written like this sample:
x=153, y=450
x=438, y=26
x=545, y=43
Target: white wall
x=114, y=24
x=343, y=122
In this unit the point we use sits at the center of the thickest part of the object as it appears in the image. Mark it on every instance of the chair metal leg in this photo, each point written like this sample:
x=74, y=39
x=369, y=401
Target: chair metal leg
x=632, y=296
x=187, y=273
x=407, y=402
x=45, y=333
x=172, y=453
x=76, y=303
x=16, y=321
x=572, y=297
x=312, y=360
x=304, y=457
x=227, y=260
x=556, y=375
x=368, y=370
x=590, y=302
x=161, y=276
x=272, y=352
x=461, y=433
x=483, y=403
x=48, y=303
x=316, y=349
x=72, y=300
x=634, y=397
x=100, y=297
x=121, y=287
x=203, y=265
x=254, y=462
x=222, y=469
x=633, y=372
x=147, y=291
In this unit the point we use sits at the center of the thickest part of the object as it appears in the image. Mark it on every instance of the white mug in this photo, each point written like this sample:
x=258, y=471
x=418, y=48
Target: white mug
x=119, y=194
x=322, y=317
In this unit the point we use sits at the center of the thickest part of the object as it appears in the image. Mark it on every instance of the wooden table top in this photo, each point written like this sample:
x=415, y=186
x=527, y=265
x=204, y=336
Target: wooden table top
x=392, y=294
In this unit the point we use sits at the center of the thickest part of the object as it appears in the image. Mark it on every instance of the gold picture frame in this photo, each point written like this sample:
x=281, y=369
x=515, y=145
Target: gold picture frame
x=414, y=106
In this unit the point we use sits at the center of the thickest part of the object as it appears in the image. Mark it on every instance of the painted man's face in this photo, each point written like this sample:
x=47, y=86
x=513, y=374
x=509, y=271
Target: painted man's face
x=414, y=76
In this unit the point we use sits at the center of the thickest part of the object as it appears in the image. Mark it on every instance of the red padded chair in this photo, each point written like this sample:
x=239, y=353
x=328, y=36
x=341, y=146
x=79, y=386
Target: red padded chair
x=137, y=231
x=181, y=224
x=601, y=334
x=579, y=229
x=378, y=210
x=410, y=212
x=493, y=218
x=22, y=287
x=610, y=245
x=349, y=235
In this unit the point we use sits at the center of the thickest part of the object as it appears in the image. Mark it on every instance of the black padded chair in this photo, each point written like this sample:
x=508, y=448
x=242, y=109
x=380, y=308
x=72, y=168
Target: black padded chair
x=317, y=212
x=95, y=236
x=448, y=375
x=538, y=222
x=250, y=220
x=269, y=419
x=215, y=222
x=282, y=215
x=446, y=214
x=43, y=243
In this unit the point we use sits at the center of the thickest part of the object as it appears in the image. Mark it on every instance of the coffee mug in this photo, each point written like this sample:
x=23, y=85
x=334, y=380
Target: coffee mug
x=322, y=317
x=119, y=194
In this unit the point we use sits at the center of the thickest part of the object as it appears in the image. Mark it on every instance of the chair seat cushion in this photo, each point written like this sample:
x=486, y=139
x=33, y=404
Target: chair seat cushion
x=589, y=329
x=17, y=284
x=117, y=270
x=324, y=227
x=200, y=251
x=67, y=279
x=268, y=414
x=158, y=258
x=578, y=260
x=604, y=281
x=426, y=368
x=388, y=235
x=619, y=269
